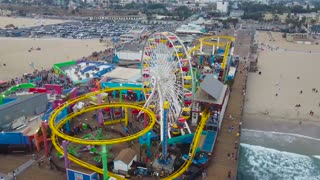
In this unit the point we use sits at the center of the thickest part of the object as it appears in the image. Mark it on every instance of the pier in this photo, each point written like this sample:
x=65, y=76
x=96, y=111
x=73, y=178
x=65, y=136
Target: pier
x=224, y=160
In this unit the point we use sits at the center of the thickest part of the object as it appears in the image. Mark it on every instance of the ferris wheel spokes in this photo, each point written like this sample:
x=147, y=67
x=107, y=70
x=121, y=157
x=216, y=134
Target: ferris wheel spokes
x=166, y=62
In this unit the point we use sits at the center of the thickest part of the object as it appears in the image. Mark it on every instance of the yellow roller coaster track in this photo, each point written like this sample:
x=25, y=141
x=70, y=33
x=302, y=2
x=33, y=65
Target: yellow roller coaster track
x=207, y=41
x=56, y=131
x=193, y=147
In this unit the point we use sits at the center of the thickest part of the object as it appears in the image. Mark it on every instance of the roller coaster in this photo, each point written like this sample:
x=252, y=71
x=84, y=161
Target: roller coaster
x=149, y=88
x=57, y=133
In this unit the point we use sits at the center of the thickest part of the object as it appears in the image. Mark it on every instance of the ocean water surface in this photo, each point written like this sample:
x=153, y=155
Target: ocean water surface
x=278, y=156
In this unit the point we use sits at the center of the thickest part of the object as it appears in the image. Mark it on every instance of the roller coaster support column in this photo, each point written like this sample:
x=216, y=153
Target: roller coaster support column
x=144, y=120
x=120, y=95
x=65, y=153
x=44, y=136
x=104, y=162
x=126, y=116
x=149, y=144
x=100, y=115
x=212, y=56
x=193, y=52
x=165, y=133
x=68, y=128
x=225, y=63
x=201, y=53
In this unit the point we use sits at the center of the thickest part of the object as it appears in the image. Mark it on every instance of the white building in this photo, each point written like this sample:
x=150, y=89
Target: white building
x=201, y=21
x=236, y=13
x=82, y=72
x=133, y=34
x=124, y=160
x=129, y=55
x=308, y=16
x=222, y=6
x=191, y=29
x=130, y=51
x=124, y=2
x=5, y=12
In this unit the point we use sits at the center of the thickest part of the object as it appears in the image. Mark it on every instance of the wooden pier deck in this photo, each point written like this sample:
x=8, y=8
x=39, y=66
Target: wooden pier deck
x=224, y=160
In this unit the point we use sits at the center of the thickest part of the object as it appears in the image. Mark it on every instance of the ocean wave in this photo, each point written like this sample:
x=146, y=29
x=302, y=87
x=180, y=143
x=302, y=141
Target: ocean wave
x=282, y=133
x=316, y=156
x=257, y=162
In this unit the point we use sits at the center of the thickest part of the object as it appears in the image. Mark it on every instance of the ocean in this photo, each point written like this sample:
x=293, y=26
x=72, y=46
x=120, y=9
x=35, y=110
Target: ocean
x=278, y=156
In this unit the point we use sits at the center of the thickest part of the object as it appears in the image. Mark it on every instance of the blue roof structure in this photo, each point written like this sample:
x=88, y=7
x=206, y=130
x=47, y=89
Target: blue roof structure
x=209, y=142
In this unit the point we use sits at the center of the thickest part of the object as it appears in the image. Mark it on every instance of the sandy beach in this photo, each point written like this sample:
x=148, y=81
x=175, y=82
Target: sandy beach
x=280, y=42
x=14, y=53
x=287, y=79
x=27, y=22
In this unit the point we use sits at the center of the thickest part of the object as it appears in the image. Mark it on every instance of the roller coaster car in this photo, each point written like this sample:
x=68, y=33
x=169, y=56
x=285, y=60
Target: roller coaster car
x=147, y=53
x=185, y=68
x=187, y=82
x=145, y=75
x=187, y=103
x=152, y=106
x=172, y=37
x=163, y=41
x=147, y=58
x=188, y=96
x=117, y=112
x=180, y=125
x=145, y=84
x=175, y=130
x=185, y=113
x=135, y=112
x=180, y=54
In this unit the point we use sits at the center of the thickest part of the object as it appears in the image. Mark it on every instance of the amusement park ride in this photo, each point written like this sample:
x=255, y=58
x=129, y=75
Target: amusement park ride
x=169, y=82
x=165, y=65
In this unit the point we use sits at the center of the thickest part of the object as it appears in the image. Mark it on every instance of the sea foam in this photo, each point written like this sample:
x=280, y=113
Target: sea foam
x=257, y=162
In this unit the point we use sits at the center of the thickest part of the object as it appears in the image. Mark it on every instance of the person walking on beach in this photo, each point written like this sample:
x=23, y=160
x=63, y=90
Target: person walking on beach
x=204, y=175
x=14, y=175
x=229, y=175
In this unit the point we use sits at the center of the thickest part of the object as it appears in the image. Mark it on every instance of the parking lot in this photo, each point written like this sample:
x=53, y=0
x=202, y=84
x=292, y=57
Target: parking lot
x=84, y=29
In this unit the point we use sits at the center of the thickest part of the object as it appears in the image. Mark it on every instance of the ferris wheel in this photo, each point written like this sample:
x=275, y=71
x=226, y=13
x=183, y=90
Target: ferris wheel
x=166, y=77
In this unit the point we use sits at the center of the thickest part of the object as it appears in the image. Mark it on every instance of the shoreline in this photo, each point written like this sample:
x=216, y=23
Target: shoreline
x=288, y=142
x=282, y=125
x=283, y=98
